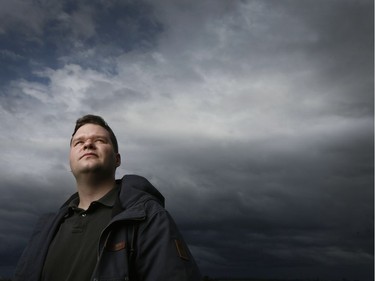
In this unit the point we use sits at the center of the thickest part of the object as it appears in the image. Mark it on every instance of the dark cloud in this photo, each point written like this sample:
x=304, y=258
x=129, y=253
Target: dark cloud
x=90, y=33
x=285, y=203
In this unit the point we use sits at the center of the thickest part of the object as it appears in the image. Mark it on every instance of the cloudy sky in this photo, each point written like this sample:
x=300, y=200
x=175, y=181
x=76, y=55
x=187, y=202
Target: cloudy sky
x=253, y=118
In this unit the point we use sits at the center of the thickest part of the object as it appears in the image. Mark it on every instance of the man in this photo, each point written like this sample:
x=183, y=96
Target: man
x=110, y=229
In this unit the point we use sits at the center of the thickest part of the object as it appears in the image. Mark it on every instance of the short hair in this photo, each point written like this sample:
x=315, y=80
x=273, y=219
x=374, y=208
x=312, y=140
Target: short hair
x=97, y=120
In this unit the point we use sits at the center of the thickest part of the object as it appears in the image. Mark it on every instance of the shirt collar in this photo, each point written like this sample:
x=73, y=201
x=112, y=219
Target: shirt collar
x=107, y=200
x=110, y=198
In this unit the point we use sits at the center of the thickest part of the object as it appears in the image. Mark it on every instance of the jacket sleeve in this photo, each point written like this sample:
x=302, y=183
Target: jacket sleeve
x=31, y=261
x=162, y=253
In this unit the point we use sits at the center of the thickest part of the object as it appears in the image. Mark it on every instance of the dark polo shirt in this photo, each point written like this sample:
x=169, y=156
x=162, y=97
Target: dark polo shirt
x=73, y=252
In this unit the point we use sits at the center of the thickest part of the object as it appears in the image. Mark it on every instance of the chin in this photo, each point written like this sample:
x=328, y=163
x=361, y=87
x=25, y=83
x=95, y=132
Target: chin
x=95, y=169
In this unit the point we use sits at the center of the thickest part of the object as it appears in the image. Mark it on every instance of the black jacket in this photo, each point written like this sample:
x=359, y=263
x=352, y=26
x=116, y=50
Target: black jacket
x=141, y=242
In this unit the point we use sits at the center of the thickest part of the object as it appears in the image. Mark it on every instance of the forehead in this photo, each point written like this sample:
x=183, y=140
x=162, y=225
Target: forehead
x=88, y=130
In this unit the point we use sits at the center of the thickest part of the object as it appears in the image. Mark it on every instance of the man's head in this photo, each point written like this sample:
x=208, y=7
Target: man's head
x=93, y=148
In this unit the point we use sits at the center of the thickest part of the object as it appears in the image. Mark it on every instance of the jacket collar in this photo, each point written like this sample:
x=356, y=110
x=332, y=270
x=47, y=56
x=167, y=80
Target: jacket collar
x=134, y=191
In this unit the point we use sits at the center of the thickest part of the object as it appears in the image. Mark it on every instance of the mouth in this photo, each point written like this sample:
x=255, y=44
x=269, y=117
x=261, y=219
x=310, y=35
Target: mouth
x=88, y=155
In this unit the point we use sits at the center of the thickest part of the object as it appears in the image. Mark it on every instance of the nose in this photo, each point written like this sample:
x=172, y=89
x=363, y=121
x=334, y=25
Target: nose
x=88, y=144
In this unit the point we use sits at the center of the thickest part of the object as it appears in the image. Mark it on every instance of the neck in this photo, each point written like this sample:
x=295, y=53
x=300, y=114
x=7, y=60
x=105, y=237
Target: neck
x=92, y=189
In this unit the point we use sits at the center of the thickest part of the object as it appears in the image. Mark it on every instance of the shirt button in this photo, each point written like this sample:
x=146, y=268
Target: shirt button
x=83, y=215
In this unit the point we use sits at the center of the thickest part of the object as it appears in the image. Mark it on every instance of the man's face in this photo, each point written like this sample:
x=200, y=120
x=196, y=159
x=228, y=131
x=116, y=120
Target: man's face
x=91, y=150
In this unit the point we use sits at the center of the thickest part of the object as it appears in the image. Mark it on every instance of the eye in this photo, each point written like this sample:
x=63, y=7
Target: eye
x=78, y=142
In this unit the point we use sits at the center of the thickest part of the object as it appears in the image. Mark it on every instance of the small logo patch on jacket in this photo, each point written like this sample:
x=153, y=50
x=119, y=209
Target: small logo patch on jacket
x=181, y=250
x=113, y=247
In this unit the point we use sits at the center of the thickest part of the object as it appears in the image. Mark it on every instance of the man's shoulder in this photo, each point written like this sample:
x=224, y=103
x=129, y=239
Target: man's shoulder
x=137, y=189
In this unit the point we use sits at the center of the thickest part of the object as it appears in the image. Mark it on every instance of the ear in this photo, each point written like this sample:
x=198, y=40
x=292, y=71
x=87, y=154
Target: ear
x=118, y=160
